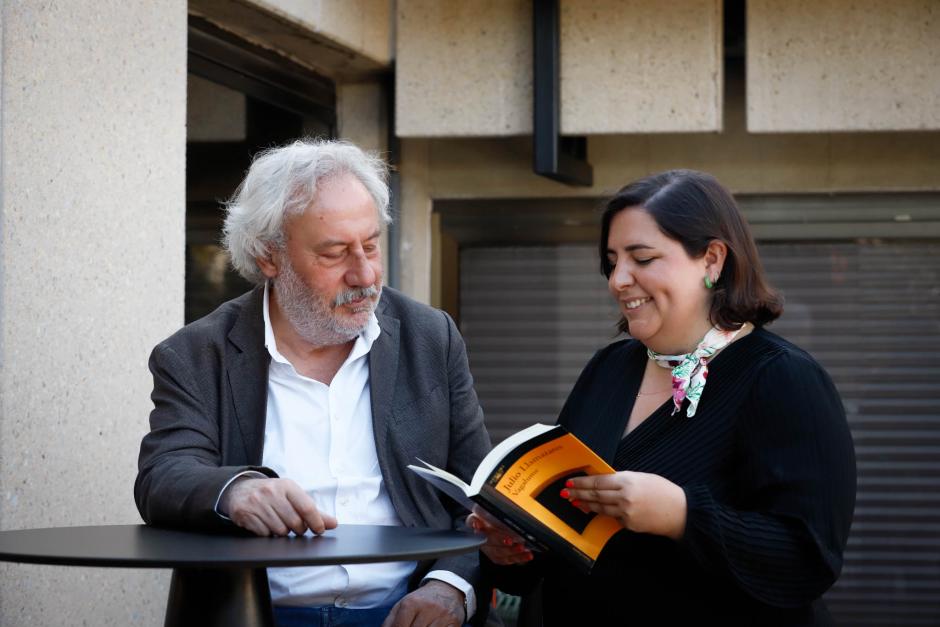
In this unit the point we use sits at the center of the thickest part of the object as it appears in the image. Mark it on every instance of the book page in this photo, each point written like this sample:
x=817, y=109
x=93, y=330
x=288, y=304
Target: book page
x=494, y=457
x=449, y=484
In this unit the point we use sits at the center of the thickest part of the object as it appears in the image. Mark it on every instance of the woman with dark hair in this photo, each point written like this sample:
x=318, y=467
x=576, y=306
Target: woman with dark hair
x=736, y=470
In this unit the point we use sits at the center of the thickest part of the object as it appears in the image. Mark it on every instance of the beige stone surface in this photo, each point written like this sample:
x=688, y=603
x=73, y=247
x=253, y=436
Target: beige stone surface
x=112, y=597
x=362, y=116
x=758, y=164
x=363, y=26
x=843, y=65
x=633, y=66
x=892, y=161
x=92, y=218
x=747, y=162
x=463, y=68
x=415, y=220
x=341, y=39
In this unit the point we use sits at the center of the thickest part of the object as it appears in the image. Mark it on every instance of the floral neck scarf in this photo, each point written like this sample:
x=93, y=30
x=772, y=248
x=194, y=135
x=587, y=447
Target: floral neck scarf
x=689, y=371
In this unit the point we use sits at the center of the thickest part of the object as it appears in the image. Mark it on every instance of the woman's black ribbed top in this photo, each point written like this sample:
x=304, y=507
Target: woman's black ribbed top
x=768, y=469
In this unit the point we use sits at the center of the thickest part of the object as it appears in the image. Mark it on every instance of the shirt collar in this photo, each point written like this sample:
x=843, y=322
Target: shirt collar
x=362, y=346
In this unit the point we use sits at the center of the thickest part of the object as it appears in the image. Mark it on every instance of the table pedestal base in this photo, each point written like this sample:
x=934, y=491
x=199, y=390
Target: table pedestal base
x=217, y=597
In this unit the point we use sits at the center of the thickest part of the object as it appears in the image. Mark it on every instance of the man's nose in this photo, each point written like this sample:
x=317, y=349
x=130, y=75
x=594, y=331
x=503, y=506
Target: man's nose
x=361, y=273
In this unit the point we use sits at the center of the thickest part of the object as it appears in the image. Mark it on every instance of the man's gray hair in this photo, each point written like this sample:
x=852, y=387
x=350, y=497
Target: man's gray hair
x=282, y=182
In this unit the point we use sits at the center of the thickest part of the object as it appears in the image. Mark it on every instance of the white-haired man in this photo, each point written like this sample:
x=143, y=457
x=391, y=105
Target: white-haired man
x=300, y=403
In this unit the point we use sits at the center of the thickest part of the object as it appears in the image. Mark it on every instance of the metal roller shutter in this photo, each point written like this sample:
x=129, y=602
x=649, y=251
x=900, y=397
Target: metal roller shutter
x=868, y=310
x=532, y=317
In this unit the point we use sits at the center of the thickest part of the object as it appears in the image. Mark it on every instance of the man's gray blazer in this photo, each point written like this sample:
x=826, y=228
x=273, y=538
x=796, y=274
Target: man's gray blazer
x=210, y=401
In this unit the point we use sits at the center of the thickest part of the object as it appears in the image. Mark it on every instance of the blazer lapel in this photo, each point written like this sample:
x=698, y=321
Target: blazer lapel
x=247, y=368
x=383, y=369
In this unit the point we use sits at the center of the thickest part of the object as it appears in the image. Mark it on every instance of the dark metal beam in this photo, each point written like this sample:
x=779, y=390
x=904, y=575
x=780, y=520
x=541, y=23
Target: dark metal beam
x=561, y=159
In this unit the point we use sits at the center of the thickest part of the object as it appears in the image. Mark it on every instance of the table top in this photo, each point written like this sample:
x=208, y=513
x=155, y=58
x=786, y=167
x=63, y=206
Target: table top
x=153, y=547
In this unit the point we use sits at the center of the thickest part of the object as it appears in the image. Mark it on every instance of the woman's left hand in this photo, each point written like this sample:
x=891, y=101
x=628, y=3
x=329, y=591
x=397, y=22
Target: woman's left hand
x=642, y=502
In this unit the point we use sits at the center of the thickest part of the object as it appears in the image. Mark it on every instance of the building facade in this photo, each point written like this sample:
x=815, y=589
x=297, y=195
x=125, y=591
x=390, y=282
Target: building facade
x=123, y=124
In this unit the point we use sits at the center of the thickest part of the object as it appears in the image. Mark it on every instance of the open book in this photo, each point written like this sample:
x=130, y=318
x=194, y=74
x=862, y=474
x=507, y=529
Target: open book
x=519, y=482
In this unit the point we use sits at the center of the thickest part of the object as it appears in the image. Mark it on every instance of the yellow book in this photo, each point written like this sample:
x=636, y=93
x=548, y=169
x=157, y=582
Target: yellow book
x=519, y=482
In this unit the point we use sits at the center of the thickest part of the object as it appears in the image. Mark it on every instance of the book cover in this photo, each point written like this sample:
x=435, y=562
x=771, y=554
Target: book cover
x=520, y=482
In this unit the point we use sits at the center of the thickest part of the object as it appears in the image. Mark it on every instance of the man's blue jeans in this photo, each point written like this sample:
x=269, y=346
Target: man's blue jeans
x=329, y=616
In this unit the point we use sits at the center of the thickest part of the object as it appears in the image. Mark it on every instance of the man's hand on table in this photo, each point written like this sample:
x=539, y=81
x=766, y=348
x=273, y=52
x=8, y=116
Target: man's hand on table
x=273, y=507
x=435, y=603
x=278, y=506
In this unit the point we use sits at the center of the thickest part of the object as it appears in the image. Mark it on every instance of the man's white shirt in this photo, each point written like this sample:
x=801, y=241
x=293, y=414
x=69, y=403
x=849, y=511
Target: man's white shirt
x=321, y=437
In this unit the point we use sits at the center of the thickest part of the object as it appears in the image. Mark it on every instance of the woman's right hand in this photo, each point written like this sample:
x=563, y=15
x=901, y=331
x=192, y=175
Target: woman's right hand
x=503, y=545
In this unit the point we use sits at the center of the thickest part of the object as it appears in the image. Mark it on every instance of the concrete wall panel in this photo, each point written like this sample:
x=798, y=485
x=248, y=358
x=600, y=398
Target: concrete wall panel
x=632, y=66
x=792, y=163
x=843, y=65
x=746, y=162
x=362, y=116
x=91, y=277
x=463, y=68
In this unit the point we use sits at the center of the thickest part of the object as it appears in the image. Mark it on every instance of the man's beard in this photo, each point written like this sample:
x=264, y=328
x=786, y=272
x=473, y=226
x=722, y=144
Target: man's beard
x=312, y=316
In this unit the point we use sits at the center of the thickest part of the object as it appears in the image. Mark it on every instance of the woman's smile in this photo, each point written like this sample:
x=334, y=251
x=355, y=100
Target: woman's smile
x=630, y=305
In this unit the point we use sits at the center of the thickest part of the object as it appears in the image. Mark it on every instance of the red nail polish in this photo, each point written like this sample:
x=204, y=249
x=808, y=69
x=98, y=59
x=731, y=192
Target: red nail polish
x=576, y=502
x=519, y=549
x=564, y=494
x=569, y=483
x=507, y=542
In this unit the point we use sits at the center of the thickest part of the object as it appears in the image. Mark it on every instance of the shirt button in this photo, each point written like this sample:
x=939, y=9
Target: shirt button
x=341, y=602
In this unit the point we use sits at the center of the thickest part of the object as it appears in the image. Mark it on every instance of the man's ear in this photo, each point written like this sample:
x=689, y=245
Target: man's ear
x=715, y=256
x=268, y=264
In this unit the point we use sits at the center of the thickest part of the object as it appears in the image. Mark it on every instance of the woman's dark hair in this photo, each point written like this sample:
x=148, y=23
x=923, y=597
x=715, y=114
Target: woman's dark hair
x=694, y=209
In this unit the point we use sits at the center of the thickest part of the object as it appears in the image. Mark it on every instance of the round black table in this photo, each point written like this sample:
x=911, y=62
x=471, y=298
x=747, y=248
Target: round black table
x=221, y=580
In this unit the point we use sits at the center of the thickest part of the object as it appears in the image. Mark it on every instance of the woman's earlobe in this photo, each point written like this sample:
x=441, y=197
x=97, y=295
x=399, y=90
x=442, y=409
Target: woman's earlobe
x=715, y=256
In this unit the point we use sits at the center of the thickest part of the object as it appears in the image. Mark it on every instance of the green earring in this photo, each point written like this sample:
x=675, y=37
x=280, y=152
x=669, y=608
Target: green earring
x=708, y=282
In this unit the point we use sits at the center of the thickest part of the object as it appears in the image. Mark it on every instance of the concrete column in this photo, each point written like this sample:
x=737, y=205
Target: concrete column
x=92, y=217
x=416, y=242
x=362, y=117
